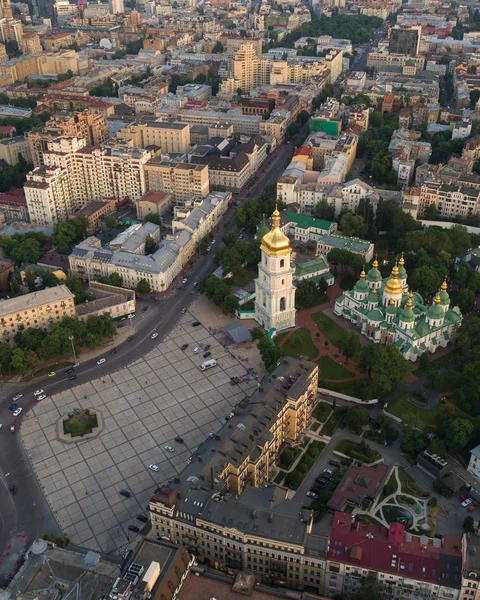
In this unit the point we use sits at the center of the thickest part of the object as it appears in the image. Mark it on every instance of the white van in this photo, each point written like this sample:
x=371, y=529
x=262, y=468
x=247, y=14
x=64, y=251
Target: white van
x=208, y=364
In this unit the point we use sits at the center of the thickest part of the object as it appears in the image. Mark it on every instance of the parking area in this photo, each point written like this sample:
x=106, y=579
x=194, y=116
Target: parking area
x=144, y=407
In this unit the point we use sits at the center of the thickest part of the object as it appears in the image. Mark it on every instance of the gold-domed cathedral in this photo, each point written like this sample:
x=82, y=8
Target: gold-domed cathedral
x=274, y=289
x=388, y=313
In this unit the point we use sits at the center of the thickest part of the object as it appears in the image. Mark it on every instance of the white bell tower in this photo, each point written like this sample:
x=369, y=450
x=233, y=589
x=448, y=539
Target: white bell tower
x=274, y=289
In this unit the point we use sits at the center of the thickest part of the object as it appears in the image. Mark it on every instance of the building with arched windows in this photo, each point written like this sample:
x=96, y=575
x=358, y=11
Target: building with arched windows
x=388, y=313
x=274, y=289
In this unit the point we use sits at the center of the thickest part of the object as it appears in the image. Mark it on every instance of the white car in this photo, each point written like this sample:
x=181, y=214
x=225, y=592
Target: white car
x=196, y=350
x=1, y=425
x=464, y=503
x=154, y=468
x=167, y=448
x=42, y=397
x=76, y=365
x=17, y=397
x=19, y=410
x=101, y=361
x=213, y=242
x=154, y=335
x=184, y=310
x=184, y=280
x=311, y=495
x=38, y=392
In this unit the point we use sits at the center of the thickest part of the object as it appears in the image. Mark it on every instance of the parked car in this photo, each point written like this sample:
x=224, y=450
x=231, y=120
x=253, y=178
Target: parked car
x=154, y=335
x=207, y=347
x=311, y=495
x=179, y=440
x=129, y=338
x=385, y=443
x=17, y=397
x=207, y=354
x=169, y=449
x=154, y=468
x=142, y=518
x=465, y=503
x=184, y=310
x=17, y=411
x=101, y=361
x=334, y=463
x=196, y=350
x=69, y=370
x=184, y=280
x=73, y=377
x=145, y=308
x=12, y=406
x=42, y=397
x=343, y=424
x=12, y=489
x=472, y=507
x=52, y=374
x=195, y=323
x=328, y=472
x=133, y=528
x=38, y=392
x=125, y=493
x=184, y=347
x=463, y=497
x=77, y=364
x=113, y=351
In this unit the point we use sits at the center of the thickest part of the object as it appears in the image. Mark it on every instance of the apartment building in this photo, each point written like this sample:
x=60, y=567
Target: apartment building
x=156, y=203
x=470, y=589
x=13, y=205
x=222, y=508
x=11, y=30
x=31, y=44
x=90, y=261
x=451, y=200
x=58, y=63
x=323, y=145
x=18, y=69
x=243, y=124
x=91, y=127
x=169, y=137
x=12, y=148
x=183, y=181
x=40, y=309
x=405, y=565
x=95, y=211
x=74, y=174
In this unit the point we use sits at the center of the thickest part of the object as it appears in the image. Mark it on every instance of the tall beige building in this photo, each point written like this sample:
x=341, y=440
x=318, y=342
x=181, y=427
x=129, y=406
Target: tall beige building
x=74, y=174
x=40, y=310
x=183, y=180
x=11, y=30
x=170, y=137
x=91, y=127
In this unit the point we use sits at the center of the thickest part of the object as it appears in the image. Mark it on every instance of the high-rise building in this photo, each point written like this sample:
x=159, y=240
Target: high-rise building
x=274, y=289
x=11, y=30
x=6, y=11
x=184, y=181
x=405, y=40
x=45, y=9
x=170, y=137
x=115, y=7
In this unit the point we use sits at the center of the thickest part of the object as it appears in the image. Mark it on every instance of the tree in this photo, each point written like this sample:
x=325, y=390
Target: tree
x=229, y=238
x=111, y=221
x=466, y=301
x=353, y=225
x=431, y=214
x=414, y=440
x=468, y=525
x=370, y=589
x=153, y=218
x=218, y=48
x=323, y=210
x=229, y=304
x=349, y=344
x=385, y=366
x=456, y=433
x=425, y=280
x=306, y=295
x=322, y=285
x=5, y=358
x=357, y=417
x=18, y=362
x=151, y=246
x=143, y=287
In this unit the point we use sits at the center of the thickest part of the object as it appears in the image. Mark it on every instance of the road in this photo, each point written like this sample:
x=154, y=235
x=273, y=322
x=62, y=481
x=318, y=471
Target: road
x=360, y=61
x=27, y=512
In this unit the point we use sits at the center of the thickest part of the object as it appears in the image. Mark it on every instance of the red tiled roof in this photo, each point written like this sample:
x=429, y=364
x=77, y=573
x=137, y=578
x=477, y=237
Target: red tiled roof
x=390, y=550
x=359, y=483
x=13, y=198
x=7, y=129
x=154, y=197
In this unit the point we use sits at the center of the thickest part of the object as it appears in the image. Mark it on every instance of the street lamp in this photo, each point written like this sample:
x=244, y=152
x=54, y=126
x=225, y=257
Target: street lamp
x=71, y=338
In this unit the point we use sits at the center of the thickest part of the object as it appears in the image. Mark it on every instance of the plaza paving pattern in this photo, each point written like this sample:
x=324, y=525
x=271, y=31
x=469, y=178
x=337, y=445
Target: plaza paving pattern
x=144, y=406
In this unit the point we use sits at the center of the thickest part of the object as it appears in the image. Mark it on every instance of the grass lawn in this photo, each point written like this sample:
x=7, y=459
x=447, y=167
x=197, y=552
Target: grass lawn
x=299, y=343
x=329, y=328
x=334, y=421
x=348, y=281
x=445, y=382
x=295, y=477
x=409, y=485
x=356, y=388
x=246, y=275
x=288, y=457
x=443, y=361
x=354, y=450
x=401, y=407
x=329, y=369
x=279, y=477
x=322, y=411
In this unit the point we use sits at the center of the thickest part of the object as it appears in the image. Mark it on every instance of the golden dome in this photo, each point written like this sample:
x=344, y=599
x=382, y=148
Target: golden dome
x=375, y=263
x=401, y=262
x=444, y=286
x=275, y=241
x=410, y=300
x=363, y=274
x=437, y=299
x=374, y=292
x=393, y=285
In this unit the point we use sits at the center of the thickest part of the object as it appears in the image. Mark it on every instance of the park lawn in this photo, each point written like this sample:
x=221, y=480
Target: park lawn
x=438, y=363
x=357, y=388
x=328, y=327
x=353, y=449
x=299, y=343
x=400, y=407
x=444, y=382
x=329, y=369
x=309, y=458
x=334, y=421
x=322, y=411
x=244, y=276
x=410, y=486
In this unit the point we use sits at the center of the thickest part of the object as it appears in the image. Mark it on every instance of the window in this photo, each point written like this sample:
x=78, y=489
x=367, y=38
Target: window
x=282, y=263
x=283, y=302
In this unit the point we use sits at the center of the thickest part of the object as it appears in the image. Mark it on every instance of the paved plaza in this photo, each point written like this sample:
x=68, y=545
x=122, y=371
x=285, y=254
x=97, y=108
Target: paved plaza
x=144, y=407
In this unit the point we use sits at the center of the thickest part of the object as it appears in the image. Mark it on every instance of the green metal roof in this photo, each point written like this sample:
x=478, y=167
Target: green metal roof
x=306, y=267
x=306, y=221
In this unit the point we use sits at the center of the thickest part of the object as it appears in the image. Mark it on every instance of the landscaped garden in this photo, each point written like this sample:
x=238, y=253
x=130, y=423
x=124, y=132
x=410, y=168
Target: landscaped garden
x=329, y=369
x=405, y=410
x=322, y=411
x=299, y=343
x=360, y=451
x=339, y=413
x=328, y=327
x=436, y=363
x=358, y=388
x=288, y=457
x=80, y=422
x=295, y=478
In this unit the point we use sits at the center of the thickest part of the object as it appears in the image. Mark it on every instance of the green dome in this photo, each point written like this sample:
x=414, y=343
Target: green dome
x=361, y=286
x=373, y=298
x=262, y=229
x=391, y=309
x=374, y=275
x=444, y=298
x=407, y=315
x=435, y=311
x=402, y=274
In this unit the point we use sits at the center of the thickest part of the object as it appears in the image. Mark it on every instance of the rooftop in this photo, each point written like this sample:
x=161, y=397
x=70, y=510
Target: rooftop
x=359, y=483
x=305, y=222
x=28, y=301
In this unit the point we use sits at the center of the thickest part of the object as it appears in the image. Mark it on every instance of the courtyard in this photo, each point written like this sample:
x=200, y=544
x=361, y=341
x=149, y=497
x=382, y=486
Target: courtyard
x=144, y=407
